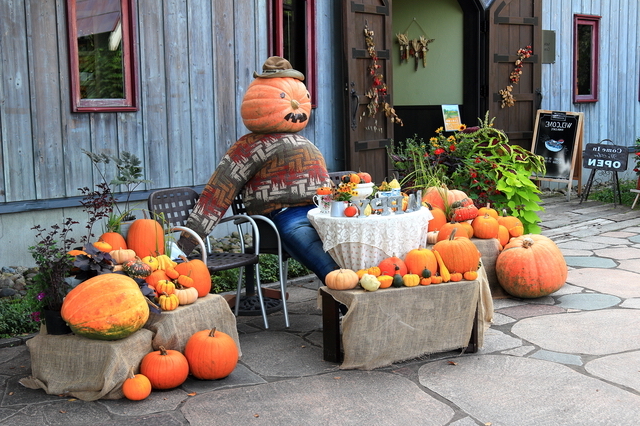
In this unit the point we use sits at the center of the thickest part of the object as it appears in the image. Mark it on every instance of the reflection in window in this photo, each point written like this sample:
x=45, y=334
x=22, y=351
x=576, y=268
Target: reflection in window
x=586, y=58
x=102, y=55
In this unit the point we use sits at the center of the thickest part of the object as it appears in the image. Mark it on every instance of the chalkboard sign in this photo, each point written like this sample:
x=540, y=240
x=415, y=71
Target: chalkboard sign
x=600, y=156
x=558, y=138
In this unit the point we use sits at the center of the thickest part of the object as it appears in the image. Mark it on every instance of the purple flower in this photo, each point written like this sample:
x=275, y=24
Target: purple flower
x=40, y=296
x=35, y=316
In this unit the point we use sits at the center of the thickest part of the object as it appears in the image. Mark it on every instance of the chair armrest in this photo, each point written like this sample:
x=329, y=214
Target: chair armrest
x=239, y=220
x=203, y=249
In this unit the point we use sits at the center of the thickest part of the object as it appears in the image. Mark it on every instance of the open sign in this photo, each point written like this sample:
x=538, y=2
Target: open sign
x=612, y=158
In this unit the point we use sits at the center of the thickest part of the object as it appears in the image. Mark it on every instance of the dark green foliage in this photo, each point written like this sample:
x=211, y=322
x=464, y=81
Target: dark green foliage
x=17, y=316
x=605, y=193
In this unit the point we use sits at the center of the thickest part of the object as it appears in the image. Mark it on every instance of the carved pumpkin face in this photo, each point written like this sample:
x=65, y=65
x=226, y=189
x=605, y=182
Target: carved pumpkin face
x=276, y=105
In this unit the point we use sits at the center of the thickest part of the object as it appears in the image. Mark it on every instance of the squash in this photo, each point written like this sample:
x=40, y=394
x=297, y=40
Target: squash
x=439, y=219
x=411, y=280
x=276, y=105
x=135, y=268
x=470, y=275
x=397, y=280
x=512, y=223
x=103, y=246
x=436, y=279
x=442, y=268
x=485, y=227
x=136, y=387
x=165, y=286
x=105, y=307
x=122, y=255
x=385, y=281
x=448, y=228
x=211, y=354
x=168, y=302
x=155, y=277
x=459, y=254
x=146, y=238
x=531, y=266
x=456, y=276
x=369, y=282
x=425, y=277
x=341, y=279
x=198, y=272
x=165, y=368
x=488, y=210
x=186, y=295
x=152, y=261
x=374, y=270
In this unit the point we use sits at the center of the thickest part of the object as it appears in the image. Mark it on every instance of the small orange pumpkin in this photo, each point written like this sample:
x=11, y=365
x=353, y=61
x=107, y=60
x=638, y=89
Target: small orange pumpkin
x=165, y=368
x=470, y=275
x=458, y=254
x=436, y=279
x=211, y=354
x=197, y=270
x=115, y=240
x=385, y=281
x=485, y=226
x=136, y=387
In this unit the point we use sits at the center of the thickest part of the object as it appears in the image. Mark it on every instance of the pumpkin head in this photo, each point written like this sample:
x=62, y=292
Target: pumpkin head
x=211, y=354
x=105, y=307
x=276, y=105
x=531, y=266
x=165, y=368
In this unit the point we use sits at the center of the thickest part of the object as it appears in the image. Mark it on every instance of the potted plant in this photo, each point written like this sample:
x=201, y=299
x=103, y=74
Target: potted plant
x=128, y=175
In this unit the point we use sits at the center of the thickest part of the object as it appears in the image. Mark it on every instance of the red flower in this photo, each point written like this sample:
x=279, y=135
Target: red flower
x=439, y=151
x=452, y=148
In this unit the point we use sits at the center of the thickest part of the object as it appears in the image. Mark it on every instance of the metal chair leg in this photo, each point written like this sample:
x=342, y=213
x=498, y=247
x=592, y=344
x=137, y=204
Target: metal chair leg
x=284, y=269
x=260, y=297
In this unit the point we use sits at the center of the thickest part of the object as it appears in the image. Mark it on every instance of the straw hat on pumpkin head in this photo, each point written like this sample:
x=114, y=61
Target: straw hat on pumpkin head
x=277, y=101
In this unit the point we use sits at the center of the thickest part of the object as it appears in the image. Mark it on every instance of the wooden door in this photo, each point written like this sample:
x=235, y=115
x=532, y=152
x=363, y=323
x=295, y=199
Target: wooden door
x=515, y=24
x=367, y=135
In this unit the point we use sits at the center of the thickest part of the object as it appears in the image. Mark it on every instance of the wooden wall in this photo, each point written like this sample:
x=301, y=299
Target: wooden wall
x=196, y=59
x=616, y=115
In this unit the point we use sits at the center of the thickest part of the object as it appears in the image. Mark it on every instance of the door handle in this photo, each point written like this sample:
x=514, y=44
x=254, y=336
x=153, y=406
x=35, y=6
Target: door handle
x=355, y=102
x=538, y=98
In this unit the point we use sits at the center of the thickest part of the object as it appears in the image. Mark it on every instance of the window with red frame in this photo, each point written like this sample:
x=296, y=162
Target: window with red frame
x=102, y=55
x=292, y=36
x=586, y=30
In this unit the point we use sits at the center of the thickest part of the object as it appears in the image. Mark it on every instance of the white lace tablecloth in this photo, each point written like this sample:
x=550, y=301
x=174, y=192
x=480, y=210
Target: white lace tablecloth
x=361, y=242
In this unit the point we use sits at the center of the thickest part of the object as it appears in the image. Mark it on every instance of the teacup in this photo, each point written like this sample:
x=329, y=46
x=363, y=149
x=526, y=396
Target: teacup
x=323, y=202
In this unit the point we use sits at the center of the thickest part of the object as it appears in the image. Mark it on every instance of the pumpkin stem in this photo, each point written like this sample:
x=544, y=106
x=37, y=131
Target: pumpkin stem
x=212, y=333
x=527, y=242
x=131, y=373
x=163, y=351
x=453, y=234
x=295, y=104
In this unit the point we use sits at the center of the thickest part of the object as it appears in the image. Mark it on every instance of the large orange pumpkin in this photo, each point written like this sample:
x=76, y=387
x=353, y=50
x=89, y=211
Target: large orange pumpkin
x=419, y=259
x=439, y=219
x=531, y=266
x=105, y=307
x=462, y=229
x=211, y=354
x=146, y=238
x=276, y=105
x=199, y=273
x=438, y=196
x=165, y=368
x=459, y=254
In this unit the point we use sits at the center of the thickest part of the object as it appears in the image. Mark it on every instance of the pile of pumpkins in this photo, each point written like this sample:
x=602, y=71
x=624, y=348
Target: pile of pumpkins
x=208, y=355
x=528, y=266
x=92, y=312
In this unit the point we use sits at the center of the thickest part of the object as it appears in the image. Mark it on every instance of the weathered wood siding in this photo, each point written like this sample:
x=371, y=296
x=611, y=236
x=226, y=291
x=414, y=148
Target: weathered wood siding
x=196, y=59
x=616, y=115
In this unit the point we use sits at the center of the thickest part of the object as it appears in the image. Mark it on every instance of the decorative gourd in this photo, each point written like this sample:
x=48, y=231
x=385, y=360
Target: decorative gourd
x=122, y=255
x=341, y=279
x=436, y=279
x=360, y=273
x=165, y=368
x=323, y=190
x=442, y=268
x=165, y=286
x=461, y=214
x=470, y=275
x=155, y=277
x=168, y=302
x=419, y=259
x=369, y=282
x=425, y=277
x=374, y=270
x=152, y=261
x=276, y=105
x=503, y=235
x=146, y=238
x=458, y=254
x=136, y=387
x=432, y=237
x=172, y=273
x=105, y=307
x=411, y=280
x=199, y=273
x=186, y=295
x=388, y=266
x=185, y=281
x=485, y=227
x=165, y=262
x=397, y=280
x=136, y=268
x=531, y=266
x=455, y=277
x=103, y=246
x=114, y=239
x=385, y=281
x=211, y=354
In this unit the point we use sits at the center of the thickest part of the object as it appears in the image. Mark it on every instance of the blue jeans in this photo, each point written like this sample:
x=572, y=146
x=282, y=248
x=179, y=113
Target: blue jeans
x=301, y=240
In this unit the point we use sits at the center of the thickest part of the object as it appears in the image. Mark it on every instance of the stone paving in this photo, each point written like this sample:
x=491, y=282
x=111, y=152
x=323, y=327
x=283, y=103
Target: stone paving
x=572, y=358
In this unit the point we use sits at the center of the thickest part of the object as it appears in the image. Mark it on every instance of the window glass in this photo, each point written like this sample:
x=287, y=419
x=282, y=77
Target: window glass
x=586, y=58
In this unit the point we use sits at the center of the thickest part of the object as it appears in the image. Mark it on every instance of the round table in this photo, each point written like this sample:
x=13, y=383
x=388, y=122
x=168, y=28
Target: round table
x=361, y=242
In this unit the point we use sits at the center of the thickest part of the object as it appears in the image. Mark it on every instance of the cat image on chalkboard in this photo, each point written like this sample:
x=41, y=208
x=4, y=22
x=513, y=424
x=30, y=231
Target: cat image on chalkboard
x=553, y=145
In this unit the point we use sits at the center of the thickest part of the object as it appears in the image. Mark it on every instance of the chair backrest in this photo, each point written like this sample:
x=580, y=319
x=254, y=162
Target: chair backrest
x=175, y=204
x=336, y=177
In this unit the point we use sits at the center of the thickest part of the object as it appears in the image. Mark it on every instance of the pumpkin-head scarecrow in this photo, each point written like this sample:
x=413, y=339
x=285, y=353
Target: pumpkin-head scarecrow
x=273, y=166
